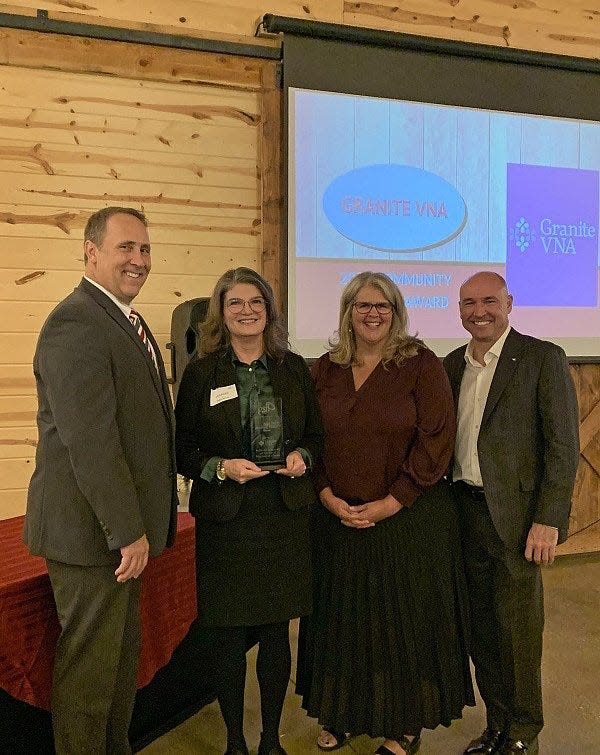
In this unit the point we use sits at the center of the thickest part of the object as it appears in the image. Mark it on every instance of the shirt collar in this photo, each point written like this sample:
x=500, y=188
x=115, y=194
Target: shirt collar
x=262, y=359
x=125, y=308
x=494, y=351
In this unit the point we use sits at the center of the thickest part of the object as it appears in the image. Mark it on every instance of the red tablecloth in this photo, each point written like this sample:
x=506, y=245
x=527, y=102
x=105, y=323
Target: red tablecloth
x=29, y=626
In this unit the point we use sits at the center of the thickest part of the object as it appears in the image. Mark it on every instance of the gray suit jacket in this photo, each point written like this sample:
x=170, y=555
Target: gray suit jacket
x=528, y=442
x=105, y=462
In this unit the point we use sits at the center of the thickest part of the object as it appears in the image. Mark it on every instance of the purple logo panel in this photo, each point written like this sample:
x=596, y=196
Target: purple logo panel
x=552, y=236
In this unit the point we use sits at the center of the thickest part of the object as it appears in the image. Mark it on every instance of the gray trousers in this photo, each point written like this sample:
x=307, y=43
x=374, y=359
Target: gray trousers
x=507, y=619
x=94, y=682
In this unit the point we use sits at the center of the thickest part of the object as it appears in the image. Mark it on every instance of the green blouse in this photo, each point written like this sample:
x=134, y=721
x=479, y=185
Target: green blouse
x=250, y=380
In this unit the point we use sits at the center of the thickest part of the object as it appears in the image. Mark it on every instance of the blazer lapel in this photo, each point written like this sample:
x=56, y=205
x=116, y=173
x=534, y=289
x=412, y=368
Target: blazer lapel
x=121, y=320
x=456, y=373
x=225, y=375
x=279, y=375
x=507, y=364
x=278, y=380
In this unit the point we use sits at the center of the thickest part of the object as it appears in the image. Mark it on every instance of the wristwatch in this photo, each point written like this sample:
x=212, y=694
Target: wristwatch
x=221, y=474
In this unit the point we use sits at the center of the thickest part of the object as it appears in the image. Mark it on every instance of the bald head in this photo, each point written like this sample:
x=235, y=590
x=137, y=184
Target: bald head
x=488, y=277
x=484, y=308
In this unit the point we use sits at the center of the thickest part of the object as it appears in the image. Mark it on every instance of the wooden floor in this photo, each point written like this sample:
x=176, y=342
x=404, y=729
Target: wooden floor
x=571, y=687
x=585, y=541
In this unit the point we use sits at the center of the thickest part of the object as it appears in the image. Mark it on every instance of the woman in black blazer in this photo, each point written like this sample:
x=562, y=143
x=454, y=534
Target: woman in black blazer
x=252, y=523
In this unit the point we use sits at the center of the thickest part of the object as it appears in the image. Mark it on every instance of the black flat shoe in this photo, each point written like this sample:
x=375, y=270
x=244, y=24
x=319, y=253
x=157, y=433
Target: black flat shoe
x=488, y=743
x=410, y=746
x=341, y=738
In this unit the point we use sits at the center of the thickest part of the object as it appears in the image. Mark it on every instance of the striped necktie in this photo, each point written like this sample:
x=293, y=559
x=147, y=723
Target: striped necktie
x=136, y=321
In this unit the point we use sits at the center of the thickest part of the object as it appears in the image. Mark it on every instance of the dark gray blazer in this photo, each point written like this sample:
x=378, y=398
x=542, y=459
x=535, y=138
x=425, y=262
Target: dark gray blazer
x=204, y=431
x=105, y=462
x=528, y=443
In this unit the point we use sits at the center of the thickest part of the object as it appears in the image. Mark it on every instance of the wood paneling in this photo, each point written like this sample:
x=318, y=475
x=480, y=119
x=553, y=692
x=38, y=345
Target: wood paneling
x=173, y=133
x=140, y=62
x=586, y=500
x=12, y=502
x=270, y=159
x=19, y=443
x=567, y=27
x=17, y=380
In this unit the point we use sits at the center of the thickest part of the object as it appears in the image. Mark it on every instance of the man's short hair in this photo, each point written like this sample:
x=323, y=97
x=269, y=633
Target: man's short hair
x=95, y=228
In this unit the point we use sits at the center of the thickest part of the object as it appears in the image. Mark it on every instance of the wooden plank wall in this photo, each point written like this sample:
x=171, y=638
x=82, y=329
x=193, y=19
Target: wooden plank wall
x=584, y=524
x=72, y=141
x=568, y=27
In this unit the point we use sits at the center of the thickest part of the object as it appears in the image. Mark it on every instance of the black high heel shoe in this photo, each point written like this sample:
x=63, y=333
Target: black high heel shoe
x=236, y=749
x=275, y=749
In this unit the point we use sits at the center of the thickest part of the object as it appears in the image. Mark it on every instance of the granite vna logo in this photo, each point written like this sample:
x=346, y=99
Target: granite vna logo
x=522, y=235
x=394, y=208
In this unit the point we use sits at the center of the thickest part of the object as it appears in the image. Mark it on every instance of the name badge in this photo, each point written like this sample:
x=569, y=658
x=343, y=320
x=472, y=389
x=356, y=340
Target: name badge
x=224, y=393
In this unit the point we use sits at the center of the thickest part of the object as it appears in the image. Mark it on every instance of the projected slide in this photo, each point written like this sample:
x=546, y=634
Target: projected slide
x=429, y=195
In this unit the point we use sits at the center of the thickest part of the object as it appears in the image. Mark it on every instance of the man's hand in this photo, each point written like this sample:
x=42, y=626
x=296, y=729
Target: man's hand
x=242, y=470
x=294, y=465
x=134, y=558
x=541, y=543
x=375, y=511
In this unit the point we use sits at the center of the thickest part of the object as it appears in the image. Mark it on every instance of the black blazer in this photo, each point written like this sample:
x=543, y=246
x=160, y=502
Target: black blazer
x=528, y=442
x=105, y=462
x=204, y=431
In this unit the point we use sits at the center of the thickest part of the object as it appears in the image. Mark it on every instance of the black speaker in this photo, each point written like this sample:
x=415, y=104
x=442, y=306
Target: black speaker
x=184, y=336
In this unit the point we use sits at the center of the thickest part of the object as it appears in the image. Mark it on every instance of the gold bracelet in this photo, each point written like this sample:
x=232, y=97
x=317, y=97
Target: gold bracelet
x=221, y=473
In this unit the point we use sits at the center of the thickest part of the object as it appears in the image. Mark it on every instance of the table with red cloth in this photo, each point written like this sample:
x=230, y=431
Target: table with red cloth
x=29, y=625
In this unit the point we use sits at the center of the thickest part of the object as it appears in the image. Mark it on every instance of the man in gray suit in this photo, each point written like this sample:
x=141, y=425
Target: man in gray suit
x=102, y=498
x=517, y=451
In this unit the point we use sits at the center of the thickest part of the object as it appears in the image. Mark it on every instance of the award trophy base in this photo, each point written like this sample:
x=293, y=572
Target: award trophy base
x=270, y=466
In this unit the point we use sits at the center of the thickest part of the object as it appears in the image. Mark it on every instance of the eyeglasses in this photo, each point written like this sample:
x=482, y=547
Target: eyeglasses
x=365, y=307
x=235, y=306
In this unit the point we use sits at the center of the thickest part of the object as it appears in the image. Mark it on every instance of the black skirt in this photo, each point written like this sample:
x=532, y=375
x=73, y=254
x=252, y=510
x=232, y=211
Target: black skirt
x=255, y=569
x=386, y=650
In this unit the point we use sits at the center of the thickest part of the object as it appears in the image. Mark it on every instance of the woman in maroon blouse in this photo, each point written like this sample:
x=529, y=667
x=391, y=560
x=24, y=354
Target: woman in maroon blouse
x=385, y=651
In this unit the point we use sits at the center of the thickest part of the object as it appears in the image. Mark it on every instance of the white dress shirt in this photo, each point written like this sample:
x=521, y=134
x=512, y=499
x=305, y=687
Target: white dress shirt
x=126, y=310
x=474, y=390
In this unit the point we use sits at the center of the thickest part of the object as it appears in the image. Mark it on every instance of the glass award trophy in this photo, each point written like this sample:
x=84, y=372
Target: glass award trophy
x=266, y=432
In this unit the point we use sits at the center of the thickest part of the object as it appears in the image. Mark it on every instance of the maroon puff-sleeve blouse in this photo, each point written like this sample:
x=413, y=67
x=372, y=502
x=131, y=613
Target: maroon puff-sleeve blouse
x=395, y=434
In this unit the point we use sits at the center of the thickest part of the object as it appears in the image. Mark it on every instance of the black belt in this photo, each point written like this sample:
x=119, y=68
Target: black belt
x=471, y=490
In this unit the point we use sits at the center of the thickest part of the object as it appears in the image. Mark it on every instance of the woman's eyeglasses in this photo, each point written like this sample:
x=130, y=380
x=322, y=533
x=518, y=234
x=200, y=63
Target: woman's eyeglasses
x=235, y=306
x=365, y=307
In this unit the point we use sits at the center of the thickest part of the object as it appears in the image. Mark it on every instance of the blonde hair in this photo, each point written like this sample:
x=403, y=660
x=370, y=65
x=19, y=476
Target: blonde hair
x=213, y=331
x=399, y=346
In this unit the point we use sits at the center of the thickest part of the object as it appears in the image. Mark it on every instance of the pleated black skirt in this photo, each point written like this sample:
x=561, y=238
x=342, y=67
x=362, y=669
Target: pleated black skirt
x=386, y=650
x=255, y=569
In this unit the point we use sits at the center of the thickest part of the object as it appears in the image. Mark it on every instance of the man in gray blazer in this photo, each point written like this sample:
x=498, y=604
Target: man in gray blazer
x=102, y=498
x=516, y=457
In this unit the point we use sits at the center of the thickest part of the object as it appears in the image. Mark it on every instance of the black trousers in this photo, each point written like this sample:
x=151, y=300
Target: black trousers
x=507, y=615
x=94, y=682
